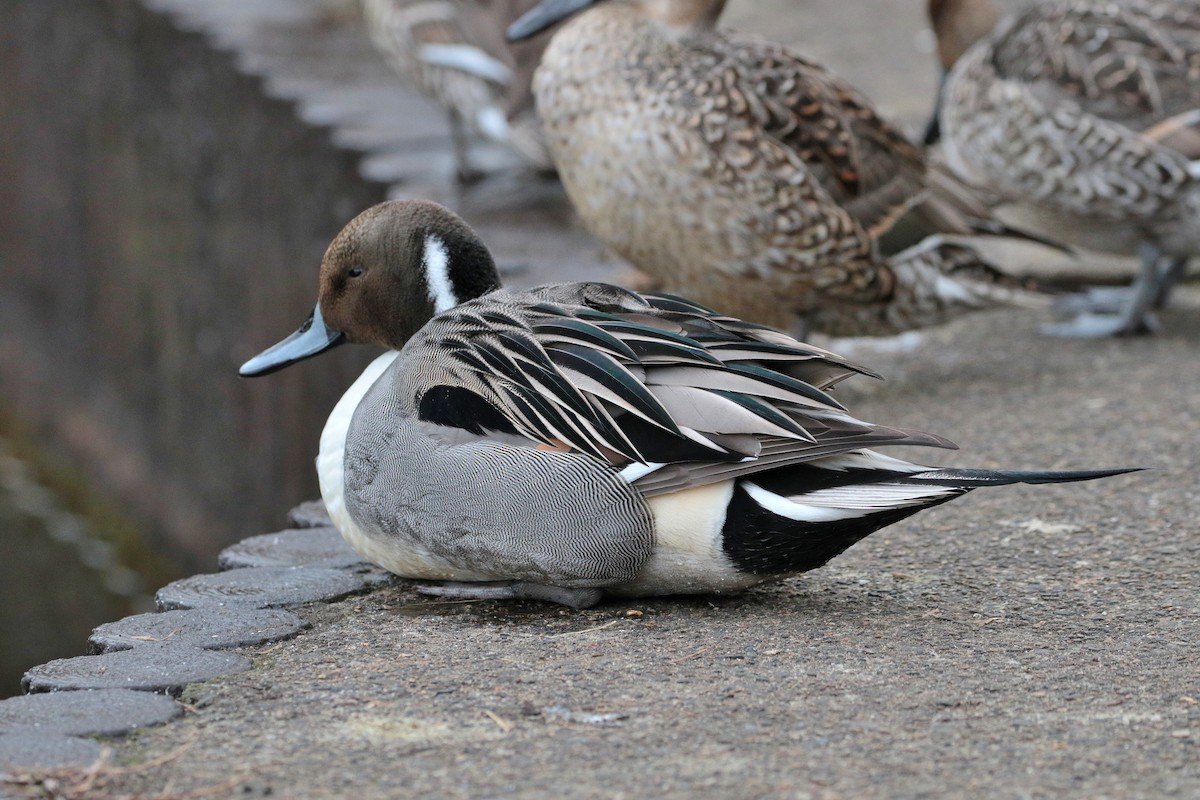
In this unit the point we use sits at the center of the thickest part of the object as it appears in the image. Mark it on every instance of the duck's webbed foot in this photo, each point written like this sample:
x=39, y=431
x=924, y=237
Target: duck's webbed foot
x=1099, y=325
x=514, y=590
x=1094, y=300
x=1122, y=311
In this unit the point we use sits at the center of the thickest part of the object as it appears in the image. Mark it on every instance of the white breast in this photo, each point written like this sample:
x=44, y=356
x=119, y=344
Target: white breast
x=331, y=456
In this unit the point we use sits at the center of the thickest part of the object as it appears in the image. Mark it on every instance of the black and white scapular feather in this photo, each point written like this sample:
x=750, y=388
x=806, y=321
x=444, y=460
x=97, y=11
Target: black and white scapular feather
x=577, y=440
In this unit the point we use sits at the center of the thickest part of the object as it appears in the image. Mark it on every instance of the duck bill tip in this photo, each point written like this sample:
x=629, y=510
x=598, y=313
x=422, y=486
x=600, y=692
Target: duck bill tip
x=313, y=337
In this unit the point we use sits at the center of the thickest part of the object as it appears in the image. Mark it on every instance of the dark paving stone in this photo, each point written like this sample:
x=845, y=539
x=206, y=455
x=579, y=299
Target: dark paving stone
x=260, y=587
x=310, y=514
x=102, y=712
x=21, y=752
x=316, y=547
x=210, y=628
x=155, y=667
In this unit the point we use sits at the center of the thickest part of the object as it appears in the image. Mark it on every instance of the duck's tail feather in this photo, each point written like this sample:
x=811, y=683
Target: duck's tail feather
x=976, y=478
x=864, y=483
x=796, y=519
x=928, y=284
x=953, y=208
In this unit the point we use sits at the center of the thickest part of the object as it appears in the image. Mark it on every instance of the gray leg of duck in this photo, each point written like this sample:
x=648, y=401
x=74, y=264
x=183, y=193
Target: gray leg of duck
x=1167, y=278
x=464, y=173
x=514, y=590
x=1111, y=299
x=1135, y=312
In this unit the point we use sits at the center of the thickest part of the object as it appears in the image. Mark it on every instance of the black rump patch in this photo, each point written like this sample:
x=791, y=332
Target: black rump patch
x=761, y=542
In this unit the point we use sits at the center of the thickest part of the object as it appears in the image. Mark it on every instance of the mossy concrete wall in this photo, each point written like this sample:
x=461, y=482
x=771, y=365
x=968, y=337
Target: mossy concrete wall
x=160, y=221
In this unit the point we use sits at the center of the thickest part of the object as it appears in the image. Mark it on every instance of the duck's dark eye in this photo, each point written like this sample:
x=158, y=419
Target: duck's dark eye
x=354, y=272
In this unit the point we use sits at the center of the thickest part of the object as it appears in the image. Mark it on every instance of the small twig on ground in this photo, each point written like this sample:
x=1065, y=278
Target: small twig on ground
x=501, y=723
x=588, y=630
x=692, y=654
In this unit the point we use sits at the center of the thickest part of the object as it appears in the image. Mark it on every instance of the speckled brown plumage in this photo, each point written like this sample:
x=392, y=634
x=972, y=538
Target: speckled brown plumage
x=1083, y=114
x=740, y=173
x=497, y=103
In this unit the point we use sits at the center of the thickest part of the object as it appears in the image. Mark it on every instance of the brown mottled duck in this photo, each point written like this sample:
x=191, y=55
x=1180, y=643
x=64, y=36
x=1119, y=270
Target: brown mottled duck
x=742, y=174
x=1084, y=117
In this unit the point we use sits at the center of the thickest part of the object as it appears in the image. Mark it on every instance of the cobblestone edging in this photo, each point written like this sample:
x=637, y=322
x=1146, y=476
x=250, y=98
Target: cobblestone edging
x=141, y=663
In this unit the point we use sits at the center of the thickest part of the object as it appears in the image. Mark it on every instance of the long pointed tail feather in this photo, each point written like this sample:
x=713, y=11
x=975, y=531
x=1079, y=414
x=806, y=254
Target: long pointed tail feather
x=796, y=519
x=975, y=478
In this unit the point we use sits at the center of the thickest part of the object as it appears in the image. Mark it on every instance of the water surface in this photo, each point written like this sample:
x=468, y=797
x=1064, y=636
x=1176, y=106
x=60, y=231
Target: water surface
x=57, y=580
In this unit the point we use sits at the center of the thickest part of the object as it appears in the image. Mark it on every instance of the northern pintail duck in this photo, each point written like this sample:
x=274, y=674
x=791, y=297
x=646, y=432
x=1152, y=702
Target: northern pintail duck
x=579, y=440
x=734, y=170
x=1082, y=116
x=454, y=52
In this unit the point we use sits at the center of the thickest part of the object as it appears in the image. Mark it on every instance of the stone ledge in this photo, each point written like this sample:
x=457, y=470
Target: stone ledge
x=139, y=659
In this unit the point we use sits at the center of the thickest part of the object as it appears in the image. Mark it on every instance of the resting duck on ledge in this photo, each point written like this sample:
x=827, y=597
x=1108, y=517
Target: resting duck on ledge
x=580, y=440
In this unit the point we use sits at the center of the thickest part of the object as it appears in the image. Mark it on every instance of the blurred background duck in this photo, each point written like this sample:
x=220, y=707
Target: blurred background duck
x=577, y=440
x=1083, y=117
x=755, y=181
x=454, y=52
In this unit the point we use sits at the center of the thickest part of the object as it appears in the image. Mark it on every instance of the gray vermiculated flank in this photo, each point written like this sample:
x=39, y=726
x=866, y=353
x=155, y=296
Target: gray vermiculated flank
x=153, y=667
x=208, y=628
x=36, y=751
x=596, y=530
x=259, y=588
x=323, y=547
x=99, y=712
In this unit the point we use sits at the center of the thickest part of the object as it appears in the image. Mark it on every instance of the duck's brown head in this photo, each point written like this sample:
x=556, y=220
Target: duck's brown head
x=390, y=270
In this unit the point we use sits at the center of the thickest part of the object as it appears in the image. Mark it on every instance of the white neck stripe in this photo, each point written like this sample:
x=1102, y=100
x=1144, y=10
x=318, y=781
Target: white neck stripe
x=436, y=262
